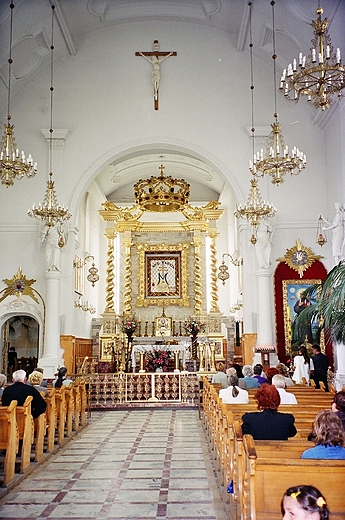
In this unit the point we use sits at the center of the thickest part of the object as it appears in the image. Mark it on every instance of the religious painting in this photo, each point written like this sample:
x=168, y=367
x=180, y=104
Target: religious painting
x=293, y=304
x=162, y=275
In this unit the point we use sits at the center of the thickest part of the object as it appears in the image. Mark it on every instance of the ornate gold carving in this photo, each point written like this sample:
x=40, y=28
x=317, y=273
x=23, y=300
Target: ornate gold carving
x=161, y=193
x=19, y=285
x=299, y=257
x=197, y=242
x=143, y=300
x=109, y=299
x=114, y=213
x=214, y=285
x=127, y=295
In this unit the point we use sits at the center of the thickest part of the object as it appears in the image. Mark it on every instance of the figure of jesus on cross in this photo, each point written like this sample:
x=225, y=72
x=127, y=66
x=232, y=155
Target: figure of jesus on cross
x=156, y=57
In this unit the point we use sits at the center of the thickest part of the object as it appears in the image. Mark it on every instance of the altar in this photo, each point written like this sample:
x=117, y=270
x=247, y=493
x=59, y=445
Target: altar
x=146, y=344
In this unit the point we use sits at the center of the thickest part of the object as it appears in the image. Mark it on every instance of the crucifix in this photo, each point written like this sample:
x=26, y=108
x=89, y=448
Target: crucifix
x=156, y=57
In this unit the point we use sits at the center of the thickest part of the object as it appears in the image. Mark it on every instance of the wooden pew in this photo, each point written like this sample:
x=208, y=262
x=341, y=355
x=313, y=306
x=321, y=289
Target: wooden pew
x=266, y=479
x=26, y=432
x=9, y=440
x=51, y=420
x=69, y=397
x=40, y=425
x=60, y=410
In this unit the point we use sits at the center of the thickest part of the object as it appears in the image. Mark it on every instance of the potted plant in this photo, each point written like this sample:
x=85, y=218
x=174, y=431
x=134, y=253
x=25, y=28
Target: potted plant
x=157, y=360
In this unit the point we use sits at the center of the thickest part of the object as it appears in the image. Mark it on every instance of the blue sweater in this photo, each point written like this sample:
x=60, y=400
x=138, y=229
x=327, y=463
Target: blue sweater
x=324, y=452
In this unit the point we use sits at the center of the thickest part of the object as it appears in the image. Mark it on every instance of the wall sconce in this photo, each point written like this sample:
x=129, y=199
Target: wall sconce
x=93, y=277
x=84, y=306
x=321, y=238
x=223, y=274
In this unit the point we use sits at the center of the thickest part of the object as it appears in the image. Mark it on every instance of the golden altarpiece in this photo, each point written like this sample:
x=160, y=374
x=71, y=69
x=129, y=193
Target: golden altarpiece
x=158, y=269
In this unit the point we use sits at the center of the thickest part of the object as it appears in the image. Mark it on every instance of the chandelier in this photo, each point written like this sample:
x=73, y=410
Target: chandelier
x=319, y=76
x=255, y=209
x=277, y=161
x=161, y=193
x=50, y=212
x=13, y=165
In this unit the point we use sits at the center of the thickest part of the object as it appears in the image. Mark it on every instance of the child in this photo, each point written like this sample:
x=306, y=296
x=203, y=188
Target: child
x=304, y=503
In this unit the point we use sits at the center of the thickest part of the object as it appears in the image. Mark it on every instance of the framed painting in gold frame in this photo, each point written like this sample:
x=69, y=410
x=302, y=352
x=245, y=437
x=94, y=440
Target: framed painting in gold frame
x=163, y=275
x=293, y=304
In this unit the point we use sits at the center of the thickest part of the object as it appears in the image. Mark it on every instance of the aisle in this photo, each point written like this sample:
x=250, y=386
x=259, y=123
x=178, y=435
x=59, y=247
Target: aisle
x=134, y=464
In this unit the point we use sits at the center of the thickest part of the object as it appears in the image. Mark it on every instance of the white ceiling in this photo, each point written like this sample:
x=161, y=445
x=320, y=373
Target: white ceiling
x=77, y=18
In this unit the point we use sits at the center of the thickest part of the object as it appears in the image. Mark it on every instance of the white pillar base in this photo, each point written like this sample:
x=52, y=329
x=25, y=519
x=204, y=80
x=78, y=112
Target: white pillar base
x=50, y=365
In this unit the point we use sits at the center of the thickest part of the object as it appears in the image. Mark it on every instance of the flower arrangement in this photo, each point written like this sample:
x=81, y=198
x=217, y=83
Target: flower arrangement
x=193, y=326
x=129, y=325
x=157, y=359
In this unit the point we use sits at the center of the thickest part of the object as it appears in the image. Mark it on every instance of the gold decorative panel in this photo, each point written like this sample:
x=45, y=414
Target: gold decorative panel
x=163, y=274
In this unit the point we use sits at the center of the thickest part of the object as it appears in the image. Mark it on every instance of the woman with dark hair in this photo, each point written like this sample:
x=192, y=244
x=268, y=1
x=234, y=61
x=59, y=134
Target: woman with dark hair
x=338, y=406
x=304, y=503
x=238, y=369
x=234, y=394
x=303, y=365
x=328, y=435
x=62, y=378
x=269, y=424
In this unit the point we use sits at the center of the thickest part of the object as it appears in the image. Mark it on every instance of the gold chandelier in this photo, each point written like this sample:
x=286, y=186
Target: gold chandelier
x=318, y=76
x=161, y=194
x=50, y=212
x=255, y=209
x=13, y=165
x=277, y=160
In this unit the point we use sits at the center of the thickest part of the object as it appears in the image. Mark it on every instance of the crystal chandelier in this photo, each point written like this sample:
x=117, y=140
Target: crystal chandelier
x=50, y=212
x=13, y=165
x=255, y=209
x=319, y=76
x=277, y=161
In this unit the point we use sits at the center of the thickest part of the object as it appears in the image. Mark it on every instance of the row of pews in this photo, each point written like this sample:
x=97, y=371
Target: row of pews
x=25, y=442
x=259, y=472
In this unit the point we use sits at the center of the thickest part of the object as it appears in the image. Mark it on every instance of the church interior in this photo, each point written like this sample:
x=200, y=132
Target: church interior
x=181, y=186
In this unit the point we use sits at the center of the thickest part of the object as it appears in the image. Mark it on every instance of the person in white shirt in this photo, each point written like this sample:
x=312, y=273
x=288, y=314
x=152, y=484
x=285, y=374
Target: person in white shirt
x=303, y=366
x=233, y=394
x=285, y=397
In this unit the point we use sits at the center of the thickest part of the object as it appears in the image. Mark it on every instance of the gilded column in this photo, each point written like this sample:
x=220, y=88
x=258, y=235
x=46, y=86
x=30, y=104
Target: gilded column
x=212, y=233
x=110, y=285
x=197, y=242
x=127, y=291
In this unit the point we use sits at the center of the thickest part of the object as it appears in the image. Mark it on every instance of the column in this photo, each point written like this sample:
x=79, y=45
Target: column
x=265, y=314
x=212, y=233
x=127, y=289
x=52, y=352
x=339, y=360
x=109, y=307
x=197, y=243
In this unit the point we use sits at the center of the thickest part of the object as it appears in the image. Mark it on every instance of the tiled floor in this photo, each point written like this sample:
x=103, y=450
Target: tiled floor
x=138, y=464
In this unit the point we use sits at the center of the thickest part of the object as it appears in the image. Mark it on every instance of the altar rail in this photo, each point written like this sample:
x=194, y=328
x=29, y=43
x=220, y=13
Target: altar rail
x=111, y=390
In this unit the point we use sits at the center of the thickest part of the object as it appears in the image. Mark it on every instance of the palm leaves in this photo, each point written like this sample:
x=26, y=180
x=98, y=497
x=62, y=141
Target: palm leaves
x=327, y=305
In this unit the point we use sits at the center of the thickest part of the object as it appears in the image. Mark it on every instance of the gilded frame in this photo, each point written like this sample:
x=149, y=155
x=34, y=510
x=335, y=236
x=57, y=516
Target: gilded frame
x=291, y=293
x=166, y=295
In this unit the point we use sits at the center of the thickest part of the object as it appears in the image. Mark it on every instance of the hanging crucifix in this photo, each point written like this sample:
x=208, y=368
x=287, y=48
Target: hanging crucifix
x=156, y=57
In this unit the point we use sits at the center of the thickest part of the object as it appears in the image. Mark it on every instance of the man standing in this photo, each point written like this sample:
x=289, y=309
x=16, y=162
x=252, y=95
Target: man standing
x=321, y=364
x=19, y=391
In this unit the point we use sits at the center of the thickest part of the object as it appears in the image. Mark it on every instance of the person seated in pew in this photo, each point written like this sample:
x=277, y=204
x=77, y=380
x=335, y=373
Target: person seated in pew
x=19, y=391
x=284, y=371
x=329, y=437
x=233, y=394
x=35, y=379
x=220, y=376
x=258, y=374
x=62, y=378
x=44, y=382
x=338, y=406
x=268, y=424
x=304, y=503
x=285, y=397
x=3, y=381
x=272, y=371
x=241, y=382
x=251, y=382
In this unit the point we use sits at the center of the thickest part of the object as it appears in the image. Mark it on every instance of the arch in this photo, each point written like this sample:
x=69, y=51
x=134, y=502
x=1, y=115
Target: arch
x=174, y=145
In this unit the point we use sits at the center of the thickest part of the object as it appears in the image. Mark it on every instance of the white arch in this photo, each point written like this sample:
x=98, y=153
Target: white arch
x=175, y=145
